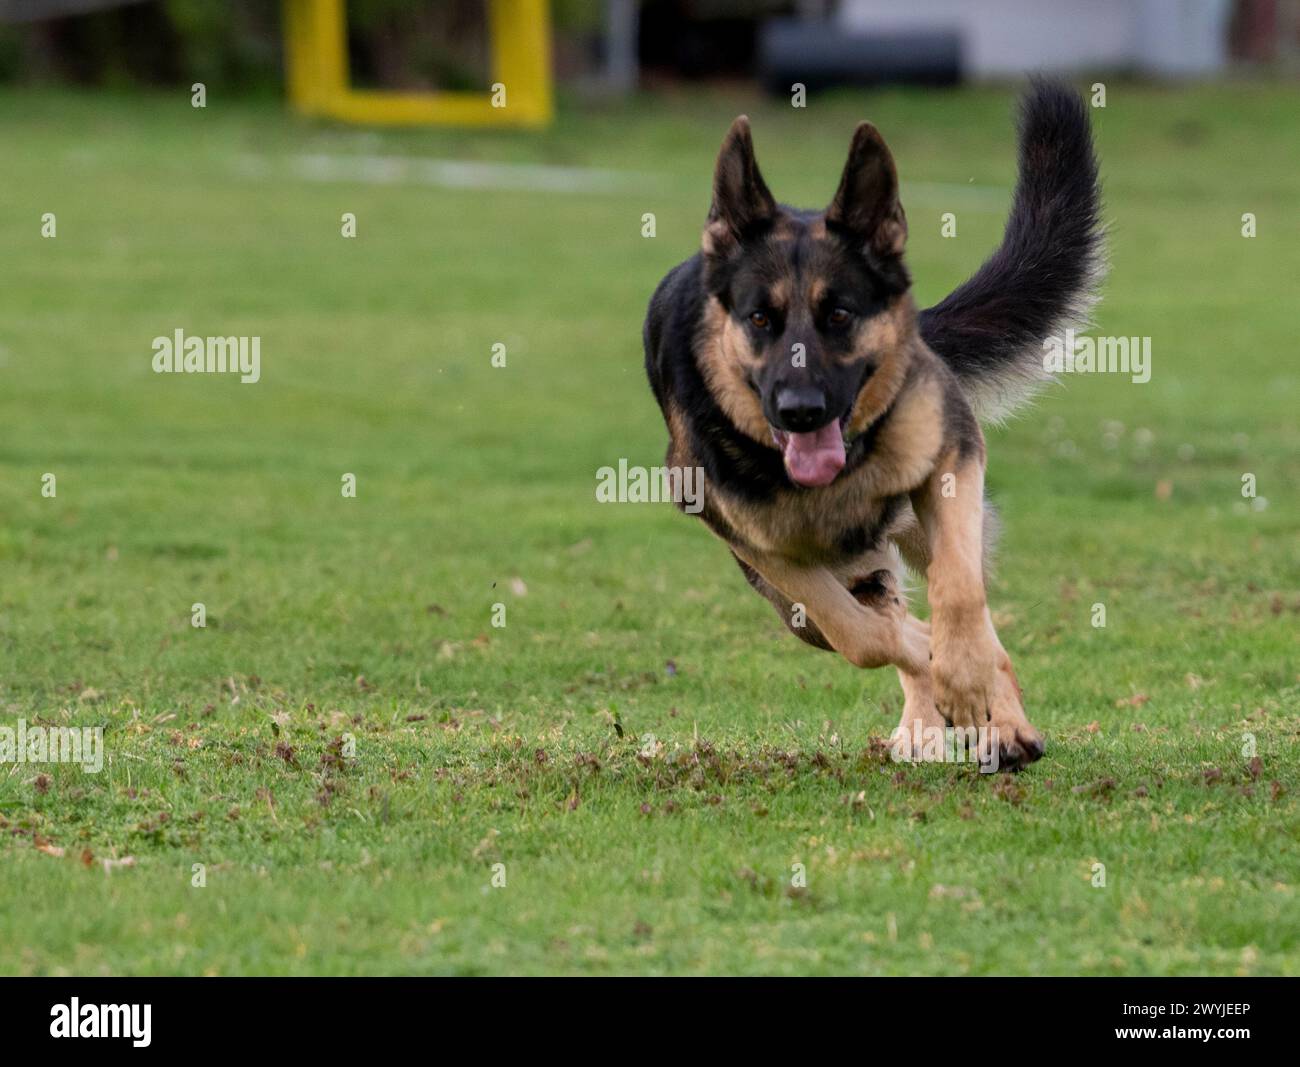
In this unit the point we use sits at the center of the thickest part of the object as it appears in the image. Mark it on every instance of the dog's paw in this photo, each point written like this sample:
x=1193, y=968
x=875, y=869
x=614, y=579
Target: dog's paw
x=1019, y=743
x=919, y=723
x=964, y=685
x=979, y=690
x=910, y=745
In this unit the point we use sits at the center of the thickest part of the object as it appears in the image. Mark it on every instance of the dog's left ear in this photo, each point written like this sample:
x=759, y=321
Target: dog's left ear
x=866, y=204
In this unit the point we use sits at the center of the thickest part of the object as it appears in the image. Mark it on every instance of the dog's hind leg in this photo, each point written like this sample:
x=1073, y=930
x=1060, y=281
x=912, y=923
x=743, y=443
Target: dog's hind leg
x=869, y=627
x=870, y=622
x=920, y=717
x=795, y=616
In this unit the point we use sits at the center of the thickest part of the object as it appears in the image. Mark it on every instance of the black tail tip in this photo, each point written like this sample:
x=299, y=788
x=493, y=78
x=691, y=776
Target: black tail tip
x=1053, y=112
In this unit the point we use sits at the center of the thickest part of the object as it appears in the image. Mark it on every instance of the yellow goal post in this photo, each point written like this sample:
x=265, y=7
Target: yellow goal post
x=519, y=32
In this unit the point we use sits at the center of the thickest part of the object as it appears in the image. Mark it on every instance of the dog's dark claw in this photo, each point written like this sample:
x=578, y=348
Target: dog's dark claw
x=1017, y=755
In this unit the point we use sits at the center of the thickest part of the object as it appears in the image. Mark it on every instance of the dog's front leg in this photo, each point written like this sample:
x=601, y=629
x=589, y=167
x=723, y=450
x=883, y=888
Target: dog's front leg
x=973, y=681
x=866, y=634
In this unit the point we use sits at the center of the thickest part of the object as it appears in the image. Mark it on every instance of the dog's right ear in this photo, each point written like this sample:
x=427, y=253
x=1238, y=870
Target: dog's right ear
x=741, y=199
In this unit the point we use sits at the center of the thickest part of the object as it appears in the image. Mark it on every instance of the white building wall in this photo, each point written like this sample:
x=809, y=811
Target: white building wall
x=1011, y=37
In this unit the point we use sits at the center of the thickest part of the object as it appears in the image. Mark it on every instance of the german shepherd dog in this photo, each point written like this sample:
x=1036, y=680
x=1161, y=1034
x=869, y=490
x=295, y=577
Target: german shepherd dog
x=838, y=429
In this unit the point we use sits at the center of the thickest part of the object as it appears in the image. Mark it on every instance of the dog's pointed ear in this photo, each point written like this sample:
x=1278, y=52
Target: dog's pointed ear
x=741, y=199
x=866, y=205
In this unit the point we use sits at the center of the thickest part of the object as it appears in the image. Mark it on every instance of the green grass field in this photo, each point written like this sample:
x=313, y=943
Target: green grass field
x=349, y=746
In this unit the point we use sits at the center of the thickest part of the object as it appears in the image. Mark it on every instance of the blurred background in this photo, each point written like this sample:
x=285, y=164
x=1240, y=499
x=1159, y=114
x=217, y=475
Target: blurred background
x=619, y=45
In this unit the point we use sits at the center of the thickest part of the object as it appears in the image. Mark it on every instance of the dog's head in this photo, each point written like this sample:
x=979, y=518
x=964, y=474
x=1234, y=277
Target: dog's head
x=812, y=313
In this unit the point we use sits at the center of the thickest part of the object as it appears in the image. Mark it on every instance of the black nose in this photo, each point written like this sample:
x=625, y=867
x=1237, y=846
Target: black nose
x=801, y=408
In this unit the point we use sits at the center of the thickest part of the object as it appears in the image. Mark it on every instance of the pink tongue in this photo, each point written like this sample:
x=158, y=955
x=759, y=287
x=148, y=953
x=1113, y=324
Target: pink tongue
x=815, y=458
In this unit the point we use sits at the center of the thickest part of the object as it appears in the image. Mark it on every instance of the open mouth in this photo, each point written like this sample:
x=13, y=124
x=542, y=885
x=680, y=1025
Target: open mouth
x=812, y=459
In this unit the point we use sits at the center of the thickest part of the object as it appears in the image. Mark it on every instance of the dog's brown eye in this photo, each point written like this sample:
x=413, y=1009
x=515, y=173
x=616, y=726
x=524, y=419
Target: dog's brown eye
x=760, y=320
x=839, y=317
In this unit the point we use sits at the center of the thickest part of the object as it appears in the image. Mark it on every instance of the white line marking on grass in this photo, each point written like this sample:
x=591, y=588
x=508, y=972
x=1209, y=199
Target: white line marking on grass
x=974, y=197
x=450, y=173
x=369, y=169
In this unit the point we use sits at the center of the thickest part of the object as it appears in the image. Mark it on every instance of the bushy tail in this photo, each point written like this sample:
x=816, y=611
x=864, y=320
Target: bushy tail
x=1044, y=277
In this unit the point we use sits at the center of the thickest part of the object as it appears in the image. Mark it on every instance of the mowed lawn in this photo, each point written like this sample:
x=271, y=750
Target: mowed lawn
x=664, y=780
